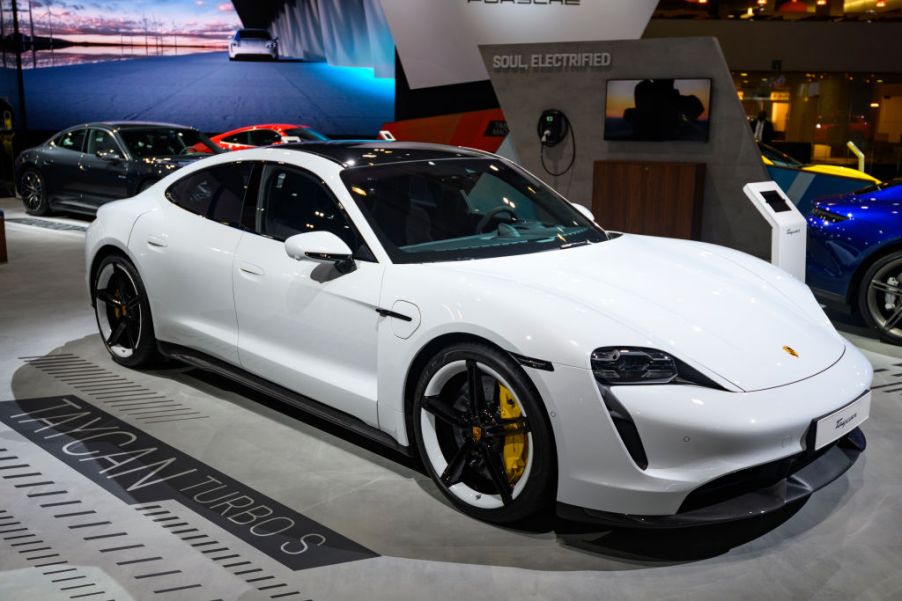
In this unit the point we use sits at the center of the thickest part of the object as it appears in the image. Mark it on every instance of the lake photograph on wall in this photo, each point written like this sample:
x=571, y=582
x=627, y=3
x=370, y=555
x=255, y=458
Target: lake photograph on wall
x=657, y=110
x=214, y=65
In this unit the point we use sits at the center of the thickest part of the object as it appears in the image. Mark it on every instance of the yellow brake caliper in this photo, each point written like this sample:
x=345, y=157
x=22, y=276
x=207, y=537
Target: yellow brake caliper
x=514, y=444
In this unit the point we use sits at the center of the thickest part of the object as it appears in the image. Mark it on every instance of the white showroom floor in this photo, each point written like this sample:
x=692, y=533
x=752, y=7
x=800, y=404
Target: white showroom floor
x=66, y=533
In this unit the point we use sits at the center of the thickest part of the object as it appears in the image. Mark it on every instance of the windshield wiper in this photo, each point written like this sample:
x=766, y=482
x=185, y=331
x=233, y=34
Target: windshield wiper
x=572, y=244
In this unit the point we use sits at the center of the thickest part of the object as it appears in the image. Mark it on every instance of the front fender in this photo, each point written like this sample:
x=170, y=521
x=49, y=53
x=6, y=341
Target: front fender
x=525, y=322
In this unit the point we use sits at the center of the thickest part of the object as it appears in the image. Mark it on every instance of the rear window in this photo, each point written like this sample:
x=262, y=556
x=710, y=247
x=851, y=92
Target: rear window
x=71, y=140
x=216, y=193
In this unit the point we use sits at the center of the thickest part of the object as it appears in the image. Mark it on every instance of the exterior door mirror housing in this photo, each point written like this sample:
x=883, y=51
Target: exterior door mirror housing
x=108, y=155
x=584, y=211
x=321, y=247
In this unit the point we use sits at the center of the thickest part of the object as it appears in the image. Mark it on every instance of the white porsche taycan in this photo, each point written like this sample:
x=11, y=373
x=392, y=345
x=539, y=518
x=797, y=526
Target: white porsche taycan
x=448, y=304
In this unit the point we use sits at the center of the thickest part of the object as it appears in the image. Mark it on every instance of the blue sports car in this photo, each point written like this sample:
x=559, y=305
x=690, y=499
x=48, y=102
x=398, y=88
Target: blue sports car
x=855, y=255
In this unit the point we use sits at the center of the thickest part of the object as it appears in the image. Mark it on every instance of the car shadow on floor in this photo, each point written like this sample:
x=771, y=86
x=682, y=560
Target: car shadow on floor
x=545, y=541
x=640, y=546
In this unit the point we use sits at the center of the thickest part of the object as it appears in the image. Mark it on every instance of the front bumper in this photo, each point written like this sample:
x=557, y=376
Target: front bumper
x=691, y=436
x=254, y=52
x=748, y=493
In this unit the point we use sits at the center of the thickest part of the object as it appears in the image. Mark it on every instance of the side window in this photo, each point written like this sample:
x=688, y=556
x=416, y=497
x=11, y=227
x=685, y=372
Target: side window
x=263, y=137
x=101, y=141
x=293, y=202
x=72, y=140
x=239, y=138
x=216, y=193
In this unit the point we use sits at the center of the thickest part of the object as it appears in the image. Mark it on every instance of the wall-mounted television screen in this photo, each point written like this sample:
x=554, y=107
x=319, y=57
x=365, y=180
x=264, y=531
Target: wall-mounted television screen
x=658, y=109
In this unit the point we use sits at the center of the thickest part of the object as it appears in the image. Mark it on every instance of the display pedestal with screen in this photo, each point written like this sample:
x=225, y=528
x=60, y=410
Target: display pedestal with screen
x=789, y=230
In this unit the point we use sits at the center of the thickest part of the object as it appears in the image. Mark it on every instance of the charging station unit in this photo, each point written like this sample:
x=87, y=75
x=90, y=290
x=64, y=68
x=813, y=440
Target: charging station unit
x=789, y=230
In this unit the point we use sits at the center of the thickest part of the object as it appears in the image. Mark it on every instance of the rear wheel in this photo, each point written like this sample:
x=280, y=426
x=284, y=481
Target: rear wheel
x=481, y=431
x=123, y=313
x=34, y=192
x=880, y=297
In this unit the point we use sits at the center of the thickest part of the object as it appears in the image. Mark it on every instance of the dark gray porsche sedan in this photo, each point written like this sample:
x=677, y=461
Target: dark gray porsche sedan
x=85, y=166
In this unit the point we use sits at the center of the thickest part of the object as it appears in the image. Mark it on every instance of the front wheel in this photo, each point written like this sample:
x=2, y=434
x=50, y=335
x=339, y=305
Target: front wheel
x=481, y=431
x=34, y=193
x=880, y=297
x=123, y=313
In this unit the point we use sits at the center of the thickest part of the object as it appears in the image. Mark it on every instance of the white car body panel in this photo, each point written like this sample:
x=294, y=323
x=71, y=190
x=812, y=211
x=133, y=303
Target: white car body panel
x=192, y=307
x=305, y=332
x=724, y=313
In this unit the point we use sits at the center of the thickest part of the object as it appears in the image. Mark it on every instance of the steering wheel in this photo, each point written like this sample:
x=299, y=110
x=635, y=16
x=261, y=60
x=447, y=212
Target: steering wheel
x=480, y=227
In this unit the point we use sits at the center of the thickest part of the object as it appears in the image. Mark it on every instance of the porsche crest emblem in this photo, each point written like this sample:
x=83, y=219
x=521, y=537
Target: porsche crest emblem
x=791, y=351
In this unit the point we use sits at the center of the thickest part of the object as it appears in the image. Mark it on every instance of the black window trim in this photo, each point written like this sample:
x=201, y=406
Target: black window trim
x=261, y=191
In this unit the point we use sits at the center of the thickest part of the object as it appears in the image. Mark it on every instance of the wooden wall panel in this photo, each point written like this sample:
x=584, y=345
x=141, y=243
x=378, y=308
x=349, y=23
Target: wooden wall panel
x=649, y=197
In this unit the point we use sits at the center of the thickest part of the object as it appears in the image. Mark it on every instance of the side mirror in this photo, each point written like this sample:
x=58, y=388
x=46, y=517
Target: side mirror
x=321, y=247
x=584, y=211
x=107, y=155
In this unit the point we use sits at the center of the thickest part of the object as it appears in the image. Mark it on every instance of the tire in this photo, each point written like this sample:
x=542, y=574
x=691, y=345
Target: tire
x=500, y=465
x=34, y=192
x=880, y=297
x=123, y=313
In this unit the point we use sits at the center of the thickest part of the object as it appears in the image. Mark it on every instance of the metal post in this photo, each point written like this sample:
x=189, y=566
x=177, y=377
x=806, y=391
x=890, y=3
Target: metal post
x=20, y=80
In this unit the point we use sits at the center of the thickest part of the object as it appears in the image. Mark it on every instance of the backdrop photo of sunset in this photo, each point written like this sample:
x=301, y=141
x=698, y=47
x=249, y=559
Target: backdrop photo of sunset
x=67, y=32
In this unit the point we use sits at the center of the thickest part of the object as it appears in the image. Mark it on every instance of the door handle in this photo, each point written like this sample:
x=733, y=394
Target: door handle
x=250, y=268
x=156, y=242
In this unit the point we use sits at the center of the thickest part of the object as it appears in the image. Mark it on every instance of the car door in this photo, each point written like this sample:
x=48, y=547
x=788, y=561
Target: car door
x=187, y=252
x=302, y=324
x=59, y=165
x=102, y=169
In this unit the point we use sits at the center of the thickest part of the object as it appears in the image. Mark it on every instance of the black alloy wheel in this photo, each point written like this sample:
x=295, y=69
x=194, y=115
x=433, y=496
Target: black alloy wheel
x=483, y=434
x=123, y=313
x=880, y=297
x=34, y=193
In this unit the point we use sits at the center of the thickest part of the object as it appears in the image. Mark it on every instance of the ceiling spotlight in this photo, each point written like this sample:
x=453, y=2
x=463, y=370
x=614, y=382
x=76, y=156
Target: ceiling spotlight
x=881, y=3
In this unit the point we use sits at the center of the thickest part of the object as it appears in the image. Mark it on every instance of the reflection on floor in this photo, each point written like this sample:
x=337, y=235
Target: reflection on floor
x=74, y=537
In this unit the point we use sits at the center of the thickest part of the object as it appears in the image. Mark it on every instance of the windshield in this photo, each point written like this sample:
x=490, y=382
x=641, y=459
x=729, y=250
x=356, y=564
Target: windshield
x=304, y=133
x=779, y=159
x=254, y=34
x=166, y=141
x=456, y=209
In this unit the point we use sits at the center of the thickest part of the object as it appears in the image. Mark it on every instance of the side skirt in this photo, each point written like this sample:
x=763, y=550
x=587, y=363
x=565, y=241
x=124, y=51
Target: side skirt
x=299, y=401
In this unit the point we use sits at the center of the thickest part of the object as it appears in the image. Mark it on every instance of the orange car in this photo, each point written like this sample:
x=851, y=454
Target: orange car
x=254, y=136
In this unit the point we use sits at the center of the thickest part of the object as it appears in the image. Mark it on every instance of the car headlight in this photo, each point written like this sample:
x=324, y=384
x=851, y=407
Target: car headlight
x=617, y=366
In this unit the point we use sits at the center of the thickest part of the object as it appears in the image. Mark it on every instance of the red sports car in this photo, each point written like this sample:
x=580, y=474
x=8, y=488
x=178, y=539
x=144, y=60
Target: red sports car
x=253, y=136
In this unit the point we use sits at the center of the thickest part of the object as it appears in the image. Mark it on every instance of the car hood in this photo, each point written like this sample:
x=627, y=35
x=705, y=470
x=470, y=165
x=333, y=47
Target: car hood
x=840, y=171
x=890, y=196
x=712, y=307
